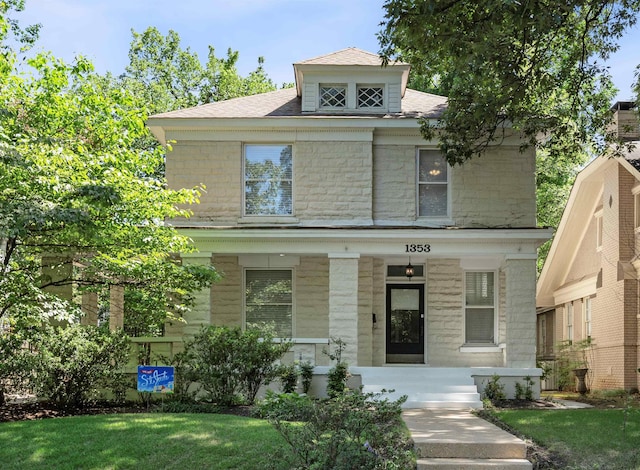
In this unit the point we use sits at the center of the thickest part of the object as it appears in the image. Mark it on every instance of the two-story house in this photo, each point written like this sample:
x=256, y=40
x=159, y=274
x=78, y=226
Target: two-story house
x=587, y=293
x=329, y=216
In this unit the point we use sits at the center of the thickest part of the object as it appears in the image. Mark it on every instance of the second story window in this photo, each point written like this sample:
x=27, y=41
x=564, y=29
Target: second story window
x=433, y=184
x=333, y=96
x=268, y=179
x=370, y=96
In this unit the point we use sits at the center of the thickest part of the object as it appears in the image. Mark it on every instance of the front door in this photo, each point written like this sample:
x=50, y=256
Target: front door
x=405, y=323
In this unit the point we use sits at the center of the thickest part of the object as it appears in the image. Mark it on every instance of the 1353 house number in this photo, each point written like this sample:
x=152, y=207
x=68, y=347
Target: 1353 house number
x=417, y=248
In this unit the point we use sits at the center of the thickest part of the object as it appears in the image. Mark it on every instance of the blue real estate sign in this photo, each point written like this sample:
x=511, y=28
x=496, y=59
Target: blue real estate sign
x=155, y=379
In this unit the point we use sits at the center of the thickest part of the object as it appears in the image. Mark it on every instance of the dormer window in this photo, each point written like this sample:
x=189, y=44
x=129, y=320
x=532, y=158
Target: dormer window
x=370, y=96
x=333, y=96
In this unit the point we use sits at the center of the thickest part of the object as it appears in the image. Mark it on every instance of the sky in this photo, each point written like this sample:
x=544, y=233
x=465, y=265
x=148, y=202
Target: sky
x=281, y=31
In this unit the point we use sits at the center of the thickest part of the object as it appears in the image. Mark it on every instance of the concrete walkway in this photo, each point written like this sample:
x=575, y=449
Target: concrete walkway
x=457, y=439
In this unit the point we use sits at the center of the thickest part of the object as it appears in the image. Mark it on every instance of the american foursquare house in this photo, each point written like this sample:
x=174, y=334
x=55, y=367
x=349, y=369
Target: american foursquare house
x=329, y=216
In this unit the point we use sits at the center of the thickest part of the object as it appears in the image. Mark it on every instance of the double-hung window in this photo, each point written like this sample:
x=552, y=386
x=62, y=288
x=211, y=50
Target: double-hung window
x=433, y=184
x=268, y=173
x=586, y=307
x=480, y=307
x=569, y=321
x=269, y=300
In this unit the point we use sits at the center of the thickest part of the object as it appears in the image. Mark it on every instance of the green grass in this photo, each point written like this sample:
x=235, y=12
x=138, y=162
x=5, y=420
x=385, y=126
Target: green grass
x=584, y=438
x=134, y=441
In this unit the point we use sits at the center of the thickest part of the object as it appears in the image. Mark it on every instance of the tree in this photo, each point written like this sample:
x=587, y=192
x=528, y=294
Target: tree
x=77, y=201
x=169, y=77
x=534, y=65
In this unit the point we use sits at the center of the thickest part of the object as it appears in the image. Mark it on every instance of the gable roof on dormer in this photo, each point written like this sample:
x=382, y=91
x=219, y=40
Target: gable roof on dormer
x=348, y=56
x=351, y=59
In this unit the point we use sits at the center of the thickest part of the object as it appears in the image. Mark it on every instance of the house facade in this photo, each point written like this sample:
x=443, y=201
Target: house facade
x=587, y=293
x=329, y=216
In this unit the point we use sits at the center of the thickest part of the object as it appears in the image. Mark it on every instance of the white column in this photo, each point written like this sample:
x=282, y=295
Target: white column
x=521, y=313
x=343, y=303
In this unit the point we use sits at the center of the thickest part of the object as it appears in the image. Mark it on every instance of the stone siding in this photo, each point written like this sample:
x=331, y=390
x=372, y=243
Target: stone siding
x=218, y=166
x=333, y=181
x=445, y=319
x=394, y=182
x=312, y=297
x=495, y=190
x=226, y=294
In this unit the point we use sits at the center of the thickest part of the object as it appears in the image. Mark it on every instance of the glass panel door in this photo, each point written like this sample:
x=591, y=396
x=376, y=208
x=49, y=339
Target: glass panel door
x=405, y=323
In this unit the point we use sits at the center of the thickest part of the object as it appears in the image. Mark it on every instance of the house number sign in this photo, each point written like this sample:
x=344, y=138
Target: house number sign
x=417, y=248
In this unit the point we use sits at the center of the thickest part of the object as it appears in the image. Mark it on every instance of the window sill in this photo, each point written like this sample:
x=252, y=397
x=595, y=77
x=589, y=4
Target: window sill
x=268, y=220
x=488, y=348
x=435, y=221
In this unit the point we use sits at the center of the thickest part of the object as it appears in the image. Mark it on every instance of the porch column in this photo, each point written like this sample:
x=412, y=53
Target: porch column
x=89, y=308
x=343, y=302
x=200, y=313
x=116, y=307
x=520, y=313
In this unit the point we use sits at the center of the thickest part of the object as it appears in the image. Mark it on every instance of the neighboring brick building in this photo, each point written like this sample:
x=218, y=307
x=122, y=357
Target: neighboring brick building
x=588, y=287
x=319, y=197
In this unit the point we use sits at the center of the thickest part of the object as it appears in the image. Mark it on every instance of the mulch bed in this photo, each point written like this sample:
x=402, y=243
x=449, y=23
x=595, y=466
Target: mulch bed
x=30, y=410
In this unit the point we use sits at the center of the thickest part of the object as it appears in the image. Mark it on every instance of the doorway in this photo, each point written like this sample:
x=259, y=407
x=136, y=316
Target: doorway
x=405, y=324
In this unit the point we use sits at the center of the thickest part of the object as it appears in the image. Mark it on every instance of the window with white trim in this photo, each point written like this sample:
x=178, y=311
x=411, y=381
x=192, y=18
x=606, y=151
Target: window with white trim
x=586, y=314
x=569, y=320
x=268, y=174
x=269, y=300
x=333, y=96
x=480, y=307
x=433, y=184
x=370, y=96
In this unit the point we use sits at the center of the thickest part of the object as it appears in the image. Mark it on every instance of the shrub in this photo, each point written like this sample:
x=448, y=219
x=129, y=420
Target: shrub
x=284, y=407
x=339, y=373
x=17, y=364
x=306, y=373
x=79, y=361
x=231, y=365
x=352, y=430
x=184, y=374
x=288, y=378
x=494, y=390
x=525, y=392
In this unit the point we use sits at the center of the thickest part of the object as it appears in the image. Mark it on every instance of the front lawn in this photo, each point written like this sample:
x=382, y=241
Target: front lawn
x=148, y=440
x=582, y=438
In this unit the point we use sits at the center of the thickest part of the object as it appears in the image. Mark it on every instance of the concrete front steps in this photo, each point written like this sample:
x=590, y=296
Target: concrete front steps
x=425, y=387
x=457, y=439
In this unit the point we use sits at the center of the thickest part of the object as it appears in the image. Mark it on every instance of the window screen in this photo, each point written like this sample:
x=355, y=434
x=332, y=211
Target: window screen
x=479, y=307
x=268, y=300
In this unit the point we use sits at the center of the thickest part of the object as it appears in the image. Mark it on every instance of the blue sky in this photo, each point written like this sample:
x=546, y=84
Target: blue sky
x=281, y=31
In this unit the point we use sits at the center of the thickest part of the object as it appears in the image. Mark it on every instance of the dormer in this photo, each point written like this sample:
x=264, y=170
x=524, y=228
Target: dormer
x=350, y=81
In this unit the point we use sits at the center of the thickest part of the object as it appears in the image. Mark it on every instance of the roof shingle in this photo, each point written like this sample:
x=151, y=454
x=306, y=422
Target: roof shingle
x=285, y=103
